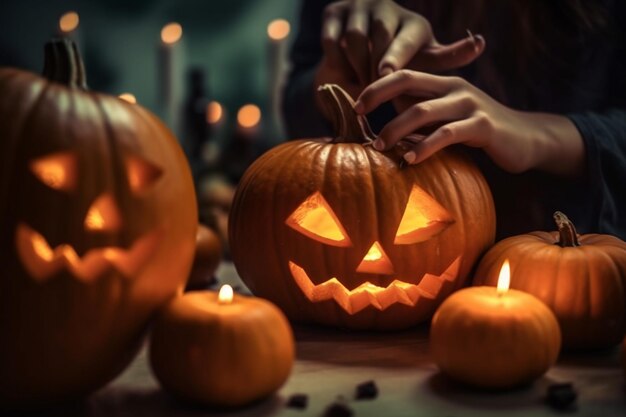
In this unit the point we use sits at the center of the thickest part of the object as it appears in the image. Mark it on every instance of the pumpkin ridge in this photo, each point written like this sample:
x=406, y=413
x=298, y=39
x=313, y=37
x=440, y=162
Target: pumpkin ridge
x=14, y=141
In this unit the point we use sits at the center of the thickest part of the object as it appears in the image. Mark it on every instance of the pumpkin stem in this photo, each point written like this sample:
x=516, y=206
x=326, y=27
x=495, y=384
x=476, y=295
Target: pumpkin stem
x=567, y=231
x=63, y=64
x=348, y=126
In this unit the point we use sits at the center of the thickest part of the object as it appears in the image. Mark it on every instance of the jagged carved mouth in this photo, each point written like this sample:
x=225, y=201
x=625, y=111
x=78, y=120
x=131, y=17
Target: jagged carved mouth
x=41, y=261
x=368, y=294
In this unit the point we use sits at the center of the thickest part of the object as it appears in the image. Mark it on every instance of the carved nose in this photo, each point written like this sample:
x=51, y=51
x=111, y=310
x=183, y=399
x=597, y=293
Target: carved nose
x=103, y=215
x=376, y=261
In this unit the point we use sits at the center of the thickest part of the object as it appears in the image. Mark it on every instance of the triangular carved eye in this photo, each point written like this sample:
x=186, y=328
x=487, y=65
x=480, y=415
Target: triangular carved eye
x=315, y=218
x=141, y=173
x=58, y=170
x=423, y=218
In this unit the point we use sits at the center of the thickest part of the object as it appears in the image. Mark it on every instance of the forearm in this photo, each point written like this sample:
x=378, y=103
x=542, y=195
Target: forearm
x=559, y=148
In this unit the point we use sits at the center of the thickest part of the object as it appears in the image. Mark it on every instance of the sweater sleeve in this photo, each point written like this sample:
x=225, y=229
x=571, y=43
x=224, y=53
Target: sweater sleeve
x=604, y=135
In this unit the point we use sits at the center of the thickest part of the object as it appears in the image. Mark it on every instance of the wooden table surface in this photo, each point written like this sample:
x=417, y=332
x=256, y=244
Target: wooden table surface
x=331, y=363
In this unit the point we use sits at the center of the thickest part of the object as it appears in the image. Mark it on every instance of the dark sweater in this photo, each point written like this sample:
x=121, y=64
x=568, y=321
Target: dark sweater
x=590, y=90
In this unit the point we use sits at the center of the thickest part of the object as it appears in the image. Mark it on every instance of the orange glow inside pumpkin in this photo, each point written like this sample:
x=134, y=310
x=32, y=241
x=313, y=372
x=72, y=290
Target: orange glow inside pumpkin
x=103, y=215
x=141, y=173
x=366, y=294
x=43, y=262
x=315, y=218
x=376, y=261
x=58, y=171
x=423, y=218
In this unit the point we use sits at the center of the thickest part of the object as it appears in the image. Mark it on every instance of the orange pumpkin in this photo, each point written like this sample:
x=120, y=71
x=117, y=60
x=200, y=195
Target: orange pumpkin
x=494, y=341
x=98, y=220
x=581, y=278
x=221, y=353
x=335, y=232
x=206, y=259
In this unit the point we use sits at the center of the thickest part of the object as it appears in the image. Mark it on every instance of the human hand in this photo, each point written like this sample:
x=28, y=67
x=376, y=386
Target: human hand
x=365, y=39
x=514, y=140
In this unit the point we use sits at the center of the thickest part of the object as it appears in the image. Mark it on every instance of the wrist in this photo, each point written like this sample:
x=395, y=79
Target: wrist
x=559, y=146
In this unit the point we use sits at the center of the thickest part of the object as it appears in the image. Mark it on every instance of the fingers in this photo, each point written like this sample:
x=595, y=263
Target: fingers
x=403, y=82
x=461, y=131
x=357, y=42
x=448, y=57
x=332, y=31
x=414, y=34
x=384, y=25
x=420, y=115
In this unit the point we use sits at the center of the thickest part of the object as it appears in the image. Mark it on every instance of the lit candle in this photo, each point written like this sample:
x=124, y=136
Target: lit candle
x=170, y=67
x=69, y=27
x=277, y=32
x=221, y=349
x=494, y=338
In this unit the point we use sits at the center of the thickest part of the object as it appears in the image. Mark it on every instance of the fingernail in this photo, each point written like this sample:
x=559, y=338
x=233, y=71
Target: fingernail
x=359, y=107
x=410, y=157
x=379, y=145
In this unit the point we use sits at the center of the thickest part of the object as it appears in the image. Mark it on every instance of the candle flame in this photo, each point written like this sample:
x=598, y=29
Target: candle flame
x=278, y=29
x=171, y=33
x=504, y=279
x=214, y=112
x=225, y=295
x=69, y=22
x=128, y=97
x=249, y=115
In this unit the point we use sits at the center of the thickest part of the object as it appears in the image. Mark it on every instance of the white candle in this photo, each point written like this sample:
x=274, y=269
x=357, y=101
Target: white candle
x=69, y=27
x=277, y=31
x=170, y=68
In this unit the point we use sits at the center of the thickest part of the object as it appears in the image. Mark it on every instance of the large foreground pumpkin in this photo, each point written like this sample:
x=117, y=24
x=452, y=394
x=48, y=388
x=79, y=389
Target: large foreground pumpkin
x=98, y=221
x=335, y=232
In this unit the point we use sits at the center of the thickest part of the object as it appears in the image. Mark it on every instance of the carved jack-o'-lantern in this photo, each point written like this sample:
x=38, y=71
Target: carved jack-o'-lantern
x=338, y=233
x=98, y=222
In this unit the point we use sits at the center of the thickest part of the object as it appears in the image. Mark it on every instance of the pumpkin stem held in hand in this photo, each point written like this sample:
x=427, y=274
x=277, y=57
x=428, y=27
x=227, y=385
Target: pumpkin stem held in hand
x=567, y=231
x=349, y=127
x=63, y=64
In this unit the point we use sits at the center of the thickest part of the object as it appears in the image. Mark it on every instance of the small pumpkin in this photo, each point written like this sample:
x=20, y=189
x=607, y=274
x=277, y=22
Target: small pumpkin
x=225, y=354
x=97, y=219
x=493, y=342
x=206, y=258
x=335, y=232
x=582, y=278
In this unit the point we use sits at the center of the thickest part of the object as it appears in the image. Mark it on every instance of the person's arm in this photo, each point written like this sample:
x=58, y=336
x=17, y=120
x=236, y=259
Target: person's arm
x=516, y=141
x=604, y=136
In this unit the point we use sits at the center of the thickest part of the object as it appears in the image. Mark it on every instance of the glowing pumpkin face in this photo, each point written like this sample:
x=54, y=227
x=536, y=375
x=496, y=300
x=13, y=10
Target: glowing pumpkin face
x=102, y=219
x=335, y=232
x=98, y=220
x=423, y=218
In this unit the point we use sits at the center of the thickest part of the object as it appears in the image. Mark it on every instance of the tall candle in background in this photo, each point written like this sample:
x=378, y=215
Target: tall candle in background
x=170, y=67
x=69, y=27
x=277, y=31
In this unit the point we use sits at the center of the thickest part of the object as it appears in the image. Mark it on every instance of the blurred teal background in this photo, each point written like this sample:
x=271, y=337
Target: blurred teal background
x=119, y=41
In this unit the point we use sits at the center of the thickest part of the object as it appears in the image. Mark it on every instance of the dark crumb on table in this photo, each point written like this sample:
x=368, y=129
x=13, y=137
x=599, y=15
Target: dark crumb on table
x=338, y=409
x=561, y=396
x=299, y=401
x=366, y=390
